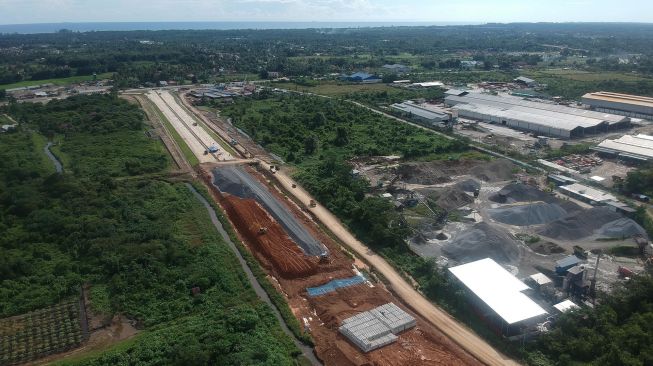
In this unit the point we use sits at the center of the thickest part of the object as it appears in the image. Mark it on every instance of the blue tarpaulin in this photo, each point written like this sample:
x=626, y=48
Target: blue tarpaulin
x=334, y=285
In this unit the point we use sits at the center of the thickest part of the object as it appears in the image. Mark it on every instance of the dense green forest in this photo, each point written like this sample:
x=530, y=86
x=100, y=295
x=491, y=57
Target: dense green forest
x=139, y=57
x=141, y=244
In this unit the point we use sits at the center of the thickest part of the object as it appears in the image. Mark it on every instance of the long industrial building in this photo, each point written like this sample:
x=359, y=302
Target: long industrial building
x=430, y=116
x=540, y=118
x=628, y=105
x=638, y=148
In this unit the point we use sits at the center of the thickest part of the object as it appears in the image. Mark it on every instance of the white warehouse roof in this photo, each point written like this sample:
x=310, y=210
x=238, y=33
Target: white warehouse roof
x=498, y=289
x=415, y=109
x=543, y=118
x=640, y=146
x=589, y=193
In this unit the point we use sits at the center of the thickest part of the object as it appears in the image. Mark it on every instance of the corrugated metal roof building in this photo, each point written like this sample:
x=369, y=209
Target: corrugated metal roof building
x=541, y=118
x=431, y=115
x=638, y=147
x=623, y=104
x=376, y=328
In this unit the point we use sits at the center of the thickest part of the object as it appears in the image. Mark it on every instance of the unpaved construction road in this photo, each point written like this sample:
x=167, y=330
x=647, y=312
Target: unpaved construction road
x=193, y=134
x=460, y=334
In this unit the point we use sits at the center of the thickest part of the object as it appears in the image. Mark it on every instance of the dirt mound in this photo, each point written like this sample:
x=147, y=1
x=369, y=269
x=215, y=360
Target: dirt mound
x=441, y=171
x=621, y=228
x=529, y=214
x=267, y=238
x=493, y=171
x=546, y=247
x=452, y=198
x=483, y=241
x=469, y=185
x=579, y=224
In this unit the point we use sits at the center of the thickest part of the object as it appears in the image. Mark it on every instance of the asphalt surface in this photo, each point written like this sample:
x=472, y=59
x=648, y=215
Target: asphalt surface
x=306, y=351
x=234, y=180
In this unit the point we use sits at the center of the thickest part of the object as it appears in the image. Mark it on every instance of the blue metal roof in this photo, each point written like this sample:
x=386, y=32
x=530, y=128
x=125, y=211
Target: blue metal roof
x=333, y=285
x=361, y=76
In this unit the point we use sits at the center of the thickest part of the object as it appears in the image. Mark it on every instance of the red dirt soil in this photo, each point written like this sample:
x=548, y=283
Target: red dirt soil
x=273, y=244
x=421, y=345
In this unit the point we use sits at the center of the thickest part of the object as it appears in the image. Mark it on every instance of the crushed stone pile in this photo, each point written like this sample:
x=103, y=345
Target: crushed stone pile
x=621, y=228
x=493, y=171
x=483, y=241
x=441, y=171
x=469, y=185
x=452, y=198
x=229, y=182
x=518, y=192
x=528, y=214
x=599, y=220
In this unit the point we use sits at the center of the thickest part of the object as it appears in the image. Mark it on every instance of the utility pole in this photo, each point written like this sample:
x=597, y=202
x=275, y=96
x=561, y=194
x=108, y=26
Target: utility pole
x=593, y=283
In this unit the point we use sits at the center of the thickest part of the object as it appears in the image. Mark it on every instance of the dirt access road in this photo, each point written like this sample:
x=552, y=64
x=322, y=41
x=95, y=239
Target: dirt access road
x=460, y=334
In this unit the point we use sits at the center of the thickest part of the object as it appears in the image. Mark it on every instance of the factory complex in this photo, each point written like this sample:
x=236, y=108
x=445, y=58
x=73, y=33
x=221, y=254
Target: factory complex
x=541, y=118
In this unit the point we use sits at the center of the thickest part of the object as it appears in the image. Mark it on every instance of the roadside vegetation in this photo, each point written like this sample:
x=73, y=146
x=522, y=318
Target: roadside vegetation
x=141, y=244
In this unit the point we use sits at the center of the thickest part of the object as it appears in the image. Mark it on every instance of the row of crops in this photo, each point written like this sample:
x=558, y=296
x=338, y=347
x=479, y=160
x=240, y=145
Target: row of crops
x=41, y=333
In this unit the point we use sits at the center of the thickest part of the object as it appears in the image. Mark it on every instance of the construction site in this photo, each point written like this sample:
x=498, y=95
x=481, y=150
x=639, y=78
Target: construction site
x=323, y=280
x=460, y=211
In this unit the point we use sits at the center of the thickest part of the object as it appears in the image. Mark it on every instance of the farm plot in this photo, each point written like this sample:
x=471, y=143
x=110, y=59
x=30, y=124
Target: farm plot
x=40, y=333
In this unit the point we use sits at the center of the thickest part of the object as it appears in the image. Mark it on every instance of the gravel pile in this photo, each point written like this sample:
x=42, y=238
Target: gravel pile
x=621, y=228
x=493, y=171
x=582, y=224
x=437, y=172
x=483, y=241
x=518, y=192
x=469, y=185
x=452, y=198
x=529, y=214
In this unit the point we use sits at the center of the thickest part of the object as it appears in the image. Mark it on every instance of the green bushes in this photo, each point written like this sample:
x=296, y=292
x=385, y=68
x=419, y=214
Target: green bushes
x=142, y=244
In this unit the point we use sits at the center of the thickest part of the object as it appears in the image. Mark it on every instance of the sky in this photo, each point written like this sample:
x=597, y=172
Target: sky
x=458, y=11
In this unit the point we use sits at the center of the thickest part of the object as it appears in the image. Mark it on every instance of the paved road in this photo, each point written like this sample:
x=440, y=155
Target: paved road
x=306, y=351
x=460, y=334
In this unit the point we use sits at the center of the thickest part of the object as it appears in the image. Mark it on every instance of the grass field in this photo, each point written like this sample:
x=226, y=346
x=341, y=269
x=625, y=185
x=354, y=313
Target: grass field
x=60, y=81
x=335, y=89
x=580, y=75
